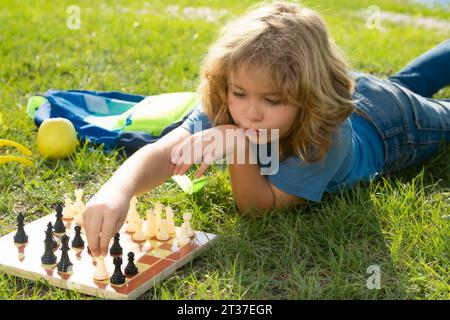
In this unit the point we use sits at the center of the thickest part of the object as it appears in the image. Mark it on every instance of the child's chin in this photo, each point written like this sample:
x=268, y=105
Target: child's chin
x=259, y=139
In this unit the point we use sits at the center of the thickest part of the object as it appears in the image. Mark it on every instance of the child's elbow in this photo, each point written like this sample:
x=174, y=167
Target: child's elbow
x=254, y=210
x=251, y=210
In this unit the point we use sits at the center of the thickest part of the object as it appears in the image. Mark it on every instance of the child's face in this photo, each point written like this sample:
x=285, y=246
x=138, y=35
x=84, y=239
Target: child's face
x=254, y=105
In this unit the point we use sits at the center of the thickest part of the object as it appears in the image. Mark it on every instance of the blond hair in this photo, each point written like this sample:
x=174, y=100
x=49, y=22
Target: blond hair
x=292, y=44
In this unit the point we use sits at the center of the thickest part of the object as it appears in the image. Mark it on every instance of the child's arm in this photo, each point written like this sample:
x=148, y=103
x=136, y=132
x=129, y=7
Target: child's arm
x=253, y=193
x=251, y=190
x=146, y=169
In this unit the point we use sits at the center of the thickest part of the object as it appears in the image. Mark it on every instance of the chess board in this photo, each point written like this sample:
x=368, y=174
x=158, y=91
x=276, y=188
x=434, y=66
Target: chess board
x=154, y=259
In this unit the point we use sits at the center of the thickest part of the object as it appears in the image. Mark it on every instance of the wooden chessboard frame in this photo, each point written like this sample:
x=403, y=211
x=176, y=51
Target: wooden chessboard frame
x=155, y=260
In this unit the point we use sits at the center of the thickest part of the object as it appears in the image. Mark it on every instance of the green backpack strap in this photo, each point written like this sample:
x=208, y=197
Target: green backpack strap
x=33, y=104
x=154, y=113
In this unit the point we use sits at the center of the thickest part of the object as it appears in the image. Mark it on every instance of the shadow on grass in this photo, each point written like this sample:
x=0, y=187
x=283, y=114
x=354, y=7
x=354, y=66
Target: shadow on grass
x=329, y=250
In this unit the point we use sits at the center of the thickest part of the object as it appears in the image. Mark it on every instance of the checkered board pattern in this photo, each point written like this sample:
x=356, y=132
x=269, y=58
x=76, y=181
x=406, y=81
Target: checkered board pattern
x=154, y=259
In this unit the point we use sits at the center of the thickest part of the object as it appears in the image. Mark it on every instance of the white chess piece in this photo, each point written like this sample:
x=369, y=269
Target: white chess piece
x=162, y=233
x=78, y=206
x=101, y=273
x=158, y=208
x=139, y=234
x=170, y=222
x=79, y=218
x=131, y=226
x=133, y=215
x=187, y=219
x=183, y=238
x=151, y=224
x=68, y=208
x=158, y=212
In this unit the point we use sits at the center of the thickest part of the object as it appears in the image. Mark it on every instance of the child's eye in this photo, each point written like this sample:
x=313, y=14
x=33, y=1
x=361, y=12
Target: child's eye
x=237, y=94
x=272, y=102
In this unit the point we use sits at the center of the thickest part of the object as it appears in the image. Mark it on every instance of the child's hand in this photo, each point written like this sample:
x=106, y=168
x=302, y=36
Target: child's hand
x=104, y=215
x=205, y=147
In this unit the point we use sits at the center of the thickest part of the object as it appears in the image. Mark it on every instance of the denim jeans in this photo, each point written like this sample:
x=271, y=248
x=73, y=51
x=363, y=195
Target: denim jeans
x=412, y=125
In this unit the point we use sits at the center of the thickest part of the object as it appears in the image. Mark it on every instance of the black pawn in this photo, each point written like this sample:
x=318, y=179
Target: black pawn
x=131, y=269
x=77, y=241
x=48, y=257
x=50, y=231
x=20, y=237
x=117, y=276
x=64, y=265
x=60, y=228
x=116, y=249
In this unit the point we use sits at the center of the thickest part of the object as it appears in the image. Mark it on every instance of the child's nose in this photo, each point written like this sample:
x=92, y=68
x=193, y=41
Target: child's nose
x=254, y=114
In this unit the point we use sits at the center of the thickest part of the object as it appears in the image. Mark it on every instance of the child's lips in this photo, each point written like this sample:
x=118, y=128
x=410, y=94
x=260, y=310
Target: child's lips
x=252, y=132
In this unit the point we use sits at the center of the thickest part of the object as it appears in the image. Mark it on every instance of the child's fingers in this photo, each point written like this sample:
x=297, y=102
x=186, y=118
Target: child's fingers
x=176, y=158
x=201, y=170
x=177, y=151
x=191, y=154
x=183, y=168
x=191, y=151
x=92, y=229
x=208, y=159
x=108, y=231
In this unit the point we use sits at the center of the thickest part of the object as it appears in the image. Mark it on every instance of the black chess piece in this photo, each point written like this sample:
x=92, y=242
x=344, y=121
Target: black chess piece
x=48, y=257
x=59, y=226
x=50, y=230
x=20, y=237
x=77, y=241
x=131, y=269
x=117, y=276
x=64, y=264
x=116, y=249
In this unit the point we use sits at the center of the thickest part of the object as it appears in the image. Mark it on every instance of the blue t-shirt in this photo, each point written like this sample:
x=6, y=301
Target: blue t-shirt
x=356, y=154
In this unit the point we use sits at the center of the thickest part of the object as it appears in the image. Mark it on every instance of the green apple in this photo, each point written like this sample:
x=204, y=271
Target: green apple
x=56, y=138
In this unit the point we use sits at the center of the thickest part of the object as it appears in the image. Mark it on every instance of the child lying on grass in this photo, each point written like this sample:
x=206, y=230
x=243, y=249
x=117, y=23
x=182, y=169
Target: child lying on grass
x=275, y=79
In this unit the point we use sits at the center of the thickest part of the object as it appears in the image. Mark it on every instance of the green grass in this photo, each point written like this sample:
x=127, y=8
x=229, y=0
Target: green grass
x=317, y=251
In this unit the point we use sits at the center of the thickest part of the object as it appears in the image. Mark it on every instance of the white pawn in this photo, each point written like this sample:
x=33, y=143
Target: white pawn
x=183, y=238
x=158, y=212
x=162, y=233
x=187, y=220
x=68, y=208
x=79, y=218
x=170, y=223
x=101, y=273
x=131, y=226
x=139, y=234
x=78, y=206
x=132, y=212
x=151, y=224
x=158, y=208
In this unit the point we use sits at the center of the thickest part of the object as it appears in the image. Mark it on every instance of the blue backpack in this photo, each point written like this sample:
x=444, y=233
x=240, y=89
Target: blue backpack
x=115, y=119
